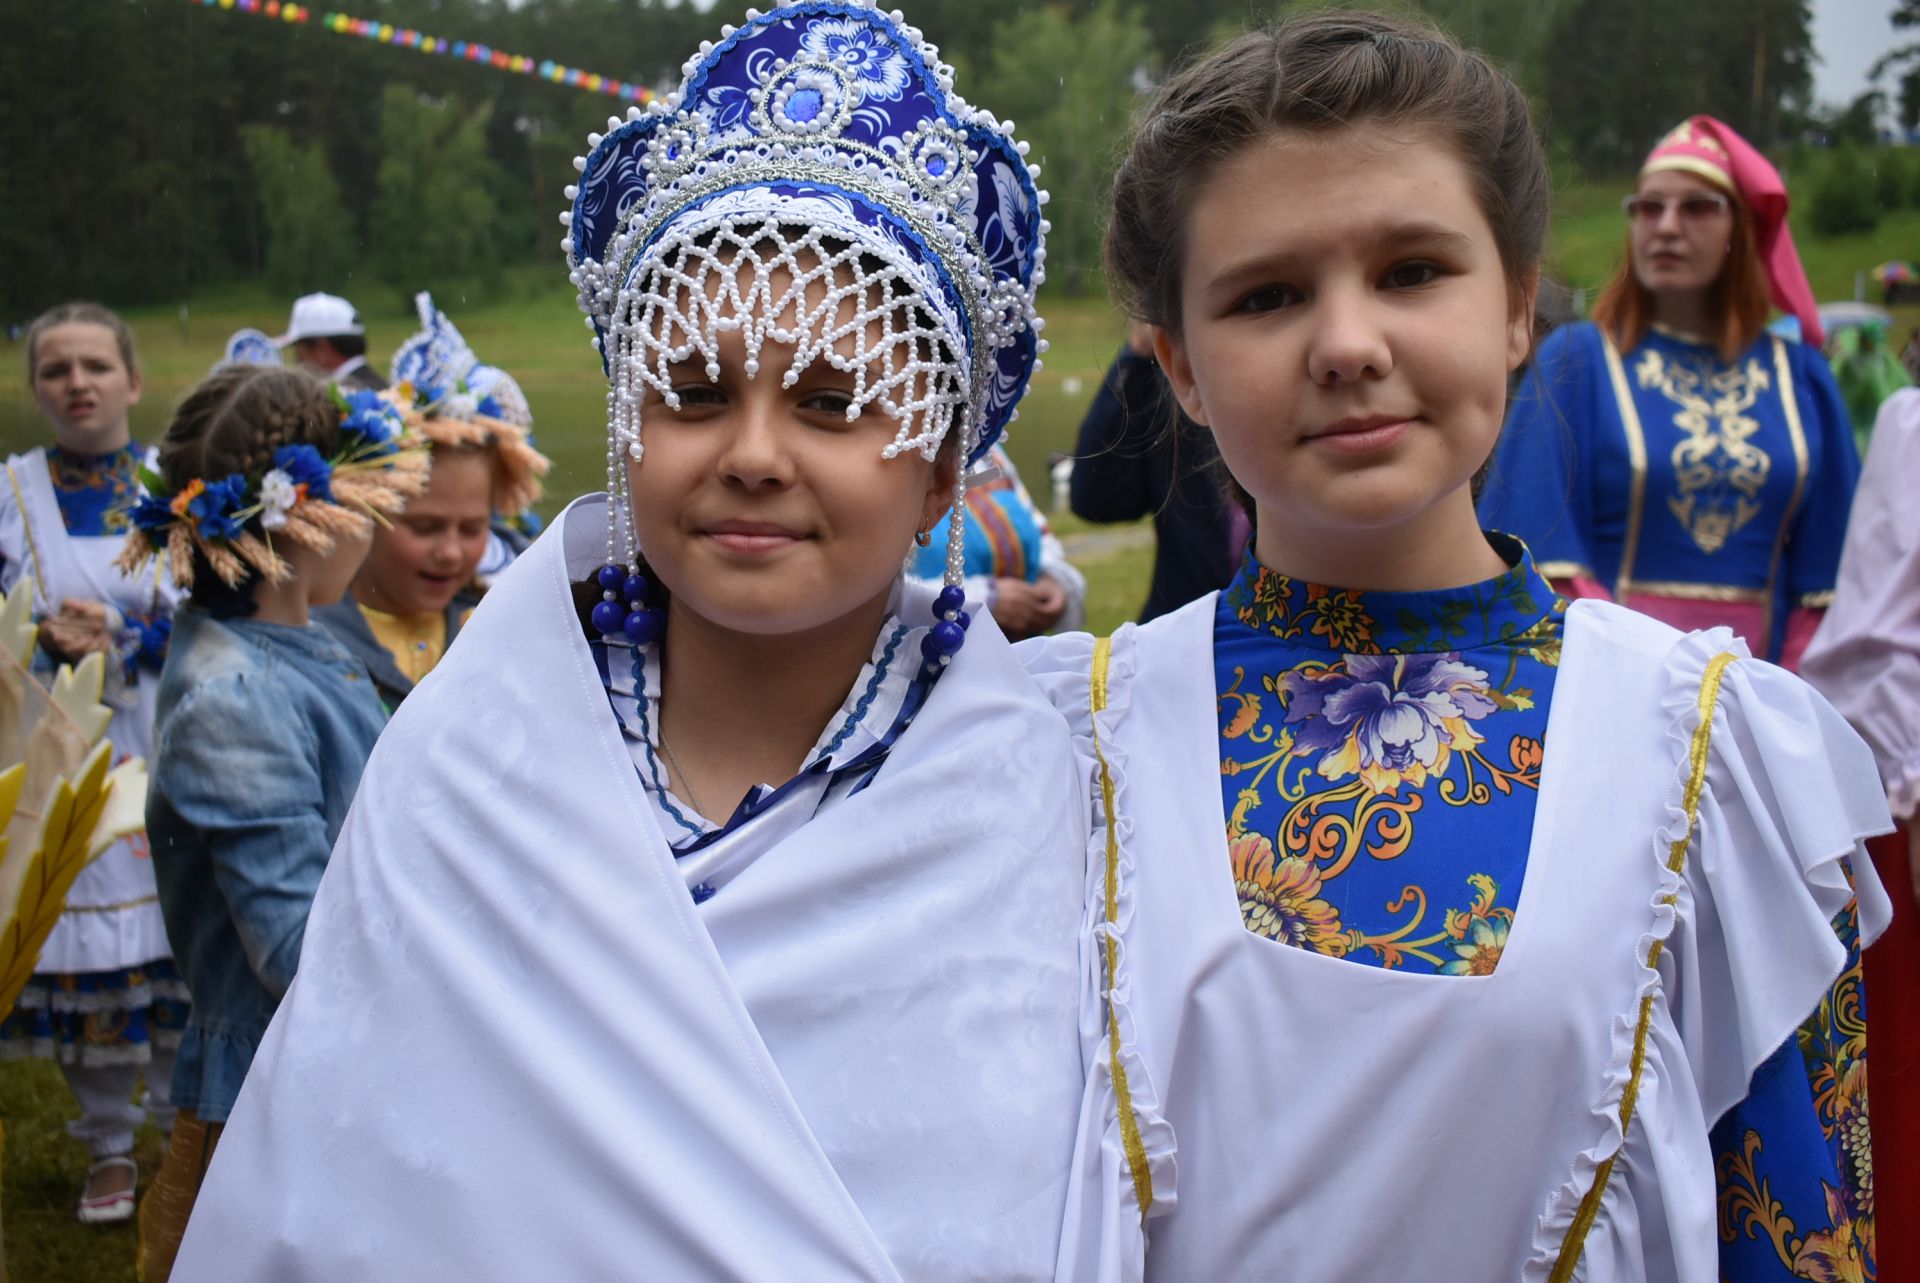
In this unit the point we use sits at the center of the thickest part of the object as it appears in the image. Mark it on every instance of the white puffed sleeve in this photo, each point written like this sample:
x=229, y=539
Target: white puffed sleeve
x=1866, y=656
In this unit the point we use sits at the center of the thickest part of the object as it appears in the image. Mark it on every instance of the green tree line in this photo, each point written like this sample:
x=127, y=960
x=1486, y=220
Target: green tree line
x=153, y=148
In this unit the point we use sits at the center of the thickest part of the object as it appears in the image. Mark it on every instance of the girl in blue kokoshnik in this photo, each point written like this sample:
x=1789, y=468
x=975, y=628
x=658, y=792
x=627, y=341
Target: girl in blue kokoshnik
x=718, y=907
x=266, y=500
x=1449, y=917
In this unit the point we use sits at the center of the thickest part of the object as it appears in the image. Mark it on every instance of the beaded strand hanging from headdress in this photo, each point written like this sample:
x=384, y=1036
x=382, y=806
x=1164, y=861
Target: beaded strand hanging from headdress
x=815, y=180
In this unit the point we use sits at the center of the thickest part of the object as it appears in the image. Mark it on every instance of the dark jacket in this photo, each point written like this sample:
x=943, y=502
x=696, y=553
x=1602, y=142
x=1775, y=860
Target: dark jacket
x=1132, y=460
x=344, y=620
x=363, y=378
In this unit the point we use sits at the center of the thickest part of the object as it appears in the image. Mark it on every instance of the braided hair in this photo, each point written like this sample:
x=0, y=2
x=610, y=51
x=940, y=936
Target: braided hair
x=234, y=422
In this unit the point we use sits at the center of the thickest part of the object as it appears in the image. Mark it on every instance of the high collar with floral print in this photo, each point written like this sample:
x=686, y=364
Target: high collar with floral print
x=1511, y=609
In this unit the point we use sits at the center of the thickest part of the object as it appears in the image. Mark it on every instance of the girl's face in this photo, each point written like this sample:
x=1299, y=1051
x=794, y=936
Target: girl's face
x=762, y=509
x=84, y=387
x=431, y=550
x=1347, y=328
x=1680, y=232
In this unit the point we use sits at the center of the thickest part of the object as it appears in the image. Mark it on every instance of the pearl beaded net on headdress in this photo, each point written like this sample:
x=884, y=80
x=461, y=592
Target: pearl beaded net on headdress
x=815, y=182
x=827, y=299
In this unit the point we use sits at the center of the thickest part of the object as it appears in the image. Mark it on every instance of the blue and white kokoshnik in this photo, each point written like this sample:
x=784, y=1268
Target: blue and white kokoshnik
x=440, y=363
x=815, y=180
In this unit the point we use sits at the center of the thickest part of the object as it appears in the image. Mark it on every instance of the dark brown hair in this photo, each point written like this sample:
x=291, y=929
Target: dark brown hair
x=79, y=313
x=233, y=422
x=1740, y=298
x=1319, y=73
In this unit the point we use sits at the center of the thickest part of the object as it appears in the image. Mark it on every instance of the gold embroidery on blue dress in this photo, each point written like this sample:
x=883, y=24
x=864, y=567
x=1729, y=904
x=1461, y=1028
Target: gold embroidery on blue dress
x=1719, y=469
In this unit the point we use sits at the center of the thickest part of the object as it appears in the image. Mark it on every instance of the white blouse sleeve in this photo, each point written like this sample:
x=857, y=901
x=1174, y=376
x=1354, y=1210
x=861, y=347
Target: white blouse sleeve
x=1787, y=798
x=1866, y=656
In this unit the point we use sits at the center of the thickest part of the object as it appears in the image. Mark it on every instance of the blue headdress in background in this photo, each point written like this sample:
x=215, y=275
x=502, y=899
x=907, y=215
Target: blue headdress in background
x=442, y=366
x=815, y=179
x=249, y=347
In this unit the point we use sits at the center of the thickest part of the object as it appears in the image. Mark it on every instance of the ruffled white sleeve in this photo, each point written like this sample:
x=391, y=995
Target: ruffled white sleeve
x=1769, y=796
x=1866, y=656
x=1788, y=797
x=1124, y=1168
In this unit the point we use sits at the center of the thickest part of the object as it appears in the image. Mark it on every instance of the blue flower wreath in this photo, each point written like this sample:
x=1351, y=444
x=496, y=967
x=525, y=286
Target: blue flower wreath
x=304, y=466
x=217, y=507
x=370, y=423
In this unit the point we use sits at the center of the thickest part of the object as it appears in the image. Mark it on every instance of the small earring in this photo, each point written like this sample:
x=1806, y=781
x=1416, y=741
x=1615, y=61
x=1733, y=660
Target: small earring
x=924, y=538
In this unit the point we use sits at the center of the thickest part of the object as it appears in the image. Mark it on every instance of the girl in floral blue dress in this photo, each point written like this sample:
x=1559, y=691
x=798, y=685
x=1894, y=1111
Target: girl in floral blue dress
x=1443, y=919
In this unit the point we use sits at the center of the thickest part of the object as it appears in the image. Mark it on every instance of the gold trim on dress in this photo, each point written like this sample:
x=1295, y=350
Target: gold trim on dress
x=1790, y=403
x=1636, y=458
x=1576, y=1238
x=1815, y=600
x=1129, y=1125
x=1726, y=593
x=1565, y=570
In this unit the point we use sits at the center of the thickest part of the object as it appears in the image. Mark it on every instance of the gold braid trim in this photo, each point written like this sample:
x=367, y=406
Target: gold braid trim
x=1123, y=1094
x=1576, y=1239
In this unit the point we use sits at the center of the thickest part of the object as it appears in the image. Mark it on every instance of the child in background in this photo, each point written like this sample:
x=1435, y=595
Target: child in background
x=1015, y=567
x=264, y=720
x=422, y=578
x=105, y=1001
x=1449, y=918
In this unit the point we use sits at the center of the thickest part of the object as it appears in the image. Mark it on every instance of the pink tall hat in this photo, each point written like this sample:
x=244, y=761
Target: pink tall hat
x=1711, y=149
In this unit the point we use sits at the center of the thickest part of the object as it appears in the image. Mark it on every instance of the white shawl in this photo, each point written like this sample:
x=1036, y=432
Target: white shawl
x=517, y=1050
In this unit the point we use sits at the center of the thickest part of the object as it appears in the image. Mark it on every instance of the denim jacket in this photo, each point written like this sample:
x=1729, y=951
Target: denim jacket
x=260, y=735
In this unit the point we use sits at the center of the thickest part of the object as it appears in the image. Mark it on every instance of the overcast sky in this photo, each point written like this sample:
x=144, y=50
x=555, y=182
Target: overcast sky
x=1849, y=35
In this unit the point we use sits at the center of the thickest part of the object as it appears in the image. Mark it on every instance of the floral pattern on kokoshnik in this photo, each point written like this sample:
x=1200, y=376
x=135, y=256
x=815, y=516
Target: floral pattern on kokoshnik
x=875, y=65
x=1352, y=721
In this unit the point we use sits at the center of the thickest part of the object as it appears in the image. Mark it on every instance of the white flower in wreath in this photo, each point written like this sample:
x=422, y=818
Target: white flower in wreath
x=278, y=494
x=877, y=67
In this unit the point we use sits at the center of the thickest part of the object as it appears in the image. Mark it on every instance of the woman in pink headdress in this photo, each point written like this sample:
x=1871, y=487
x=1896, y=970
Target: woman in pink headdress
x=1674, y=455
x=1671, y=453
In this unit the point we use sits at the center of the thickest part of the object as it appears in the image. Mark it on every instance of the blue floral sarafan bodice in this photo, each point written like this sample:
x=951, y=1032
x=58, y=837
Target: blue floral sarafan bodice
x=1380, y=760
x=1380, y=764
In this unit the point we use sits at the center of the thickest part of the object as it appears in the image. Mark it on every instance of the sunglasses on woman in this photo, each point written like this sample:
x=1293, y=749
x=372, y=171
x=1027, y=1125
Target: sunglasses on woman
x=1694, y=208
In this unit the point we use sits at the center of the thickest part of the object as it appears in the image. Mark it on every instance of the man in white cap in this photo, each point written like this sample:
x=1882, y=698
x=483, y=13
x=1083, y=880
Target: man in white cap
x=328, y=338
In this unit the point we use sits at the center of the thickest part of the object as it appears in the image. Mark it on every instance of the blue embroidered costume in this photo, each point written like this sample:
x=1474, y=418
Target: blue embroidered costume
x=108, y=1016
x=1695, y=489
x=1380, y=763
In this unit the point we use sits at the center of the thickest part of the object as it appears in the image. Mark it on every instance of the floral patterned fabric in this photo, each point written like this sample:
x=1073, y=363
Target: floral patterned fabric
x=95, y=490
x=1794, y=1159
x=1380, y=761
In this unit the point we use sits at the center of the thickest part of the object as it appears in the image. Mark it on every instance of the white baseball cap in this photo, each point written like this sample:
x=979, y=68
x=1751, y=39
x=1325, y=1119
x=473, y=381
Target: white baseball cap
x=321, y=316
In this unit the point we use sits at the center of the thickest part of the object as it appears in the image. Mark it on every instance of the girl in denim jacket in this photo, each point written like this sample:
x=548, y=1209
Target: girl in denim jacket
x=264, y=719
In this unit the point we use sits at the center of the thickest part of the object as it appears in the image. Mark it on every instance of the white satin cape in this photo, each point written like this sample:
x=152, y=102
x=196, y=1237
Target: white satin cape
x=516, y=1050
x=1342, y=1122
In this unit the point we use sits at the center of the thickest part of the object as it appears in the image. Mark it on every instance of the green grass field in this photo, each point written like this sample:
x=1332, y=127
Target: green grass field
x=530, y=326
